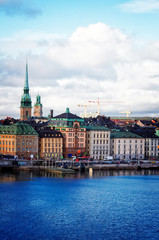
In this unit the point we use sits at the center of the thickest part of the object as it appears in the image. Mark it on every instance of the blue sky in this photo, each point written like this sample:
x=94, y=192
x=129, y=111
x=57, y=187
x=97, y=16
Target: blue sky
x=63, y=17
x=81, y=50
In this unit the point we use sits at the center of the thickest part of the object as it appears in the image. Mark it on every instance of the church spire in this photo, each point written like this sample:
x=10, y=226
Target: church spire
x=26, y=104
x=26, y=84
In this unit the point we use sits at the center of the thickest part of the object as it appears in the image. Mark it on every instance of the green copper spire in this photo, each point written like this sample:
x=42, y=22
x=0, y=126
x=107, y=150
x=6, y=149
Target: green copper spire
x=26, y=84
x=38, y=101
x=26, y=99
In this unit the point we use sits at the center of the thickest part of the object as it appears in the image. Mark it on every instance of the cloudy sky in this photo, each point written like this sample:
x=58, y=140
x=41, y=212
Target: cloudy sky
x=79, y=51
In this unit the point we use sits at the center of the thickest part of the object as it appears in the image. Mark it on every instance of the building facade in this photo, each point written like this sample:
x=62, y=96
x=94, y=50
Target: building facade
x=127, y=146
x=98, y=142
x=26, y=104
x=73, y=131
x=19, y=139
x=50, y=144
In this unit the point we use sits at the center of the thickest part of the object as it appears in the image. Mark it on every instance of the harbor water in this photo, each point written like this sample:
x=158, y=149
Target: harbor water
x=37, y=206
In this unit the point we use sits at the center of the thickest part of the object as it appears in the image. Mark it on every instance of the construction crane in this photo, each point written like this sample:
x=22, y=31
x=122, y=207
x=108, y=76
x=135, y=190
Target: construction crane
x=98, y=102
x=127, y=113
x=85, y=109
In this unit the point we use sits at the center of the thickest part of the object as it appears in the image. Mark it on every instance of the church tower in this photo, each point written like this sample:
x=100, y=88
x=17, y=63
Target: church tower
x=25, y=107
x=38, y=107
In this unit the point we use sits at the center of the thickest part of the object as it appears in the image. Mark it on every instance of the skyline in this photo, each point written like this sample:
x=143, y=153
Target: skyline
x=78, y=52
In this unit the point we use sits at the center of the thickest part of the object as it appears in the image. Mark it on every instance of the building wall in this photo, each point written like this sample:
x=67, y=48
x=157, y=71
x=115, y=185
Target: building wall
x=51, y=148
x=128, y=148
x=20, y=145
x=98, y=144
x=152, y=147
x=73, y=139
x=8, y=144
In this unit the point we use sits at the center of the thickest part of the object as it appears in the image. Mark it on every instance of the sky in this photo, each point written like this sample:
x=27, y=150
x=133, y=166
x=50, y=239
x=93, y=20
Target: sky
x=79, y=51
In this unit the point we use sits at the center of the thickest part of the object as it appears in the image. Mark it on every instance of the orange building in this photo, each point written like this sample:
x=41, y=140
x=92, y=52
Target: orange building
x=19, y=139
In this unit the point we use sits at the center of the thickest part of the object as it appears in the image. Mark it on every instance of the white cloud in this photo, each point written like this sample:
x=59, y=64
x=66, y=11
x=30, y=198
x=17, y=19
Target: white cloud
x=140, y=6
x=95, y=61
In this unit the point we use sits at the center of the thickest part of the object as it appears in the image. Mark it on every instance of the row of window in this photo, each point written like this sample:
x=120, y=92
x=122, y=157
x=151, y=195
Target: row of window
x=131, y=141
x=53, y=140
x=101, y=135
x=100, y=142
x=72, y=139
x=26, y=149
x=52, y=150
x=100, y=152
x=7, y=142
x=7, y=149
x=130, y=147
x=100, y=147
x=79, y=145
x=73, y=134
x=6, y=136
x=130, y=152
x=48, y=145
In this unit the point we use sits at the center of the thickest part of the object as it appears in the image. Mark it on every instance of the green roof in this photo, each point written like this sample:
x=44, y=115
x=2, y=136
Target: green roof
x=118, y=134
x=98, y=128
x=17, y=129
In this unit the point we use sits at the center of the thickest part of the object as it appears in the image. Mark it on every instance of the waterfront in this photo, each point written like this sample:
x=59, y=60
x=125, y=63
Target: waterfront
x=106, y=205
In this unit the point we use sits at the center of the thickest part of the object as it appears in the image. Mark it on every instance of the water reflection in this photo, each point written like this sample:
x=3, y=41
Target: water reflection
x=32, y=175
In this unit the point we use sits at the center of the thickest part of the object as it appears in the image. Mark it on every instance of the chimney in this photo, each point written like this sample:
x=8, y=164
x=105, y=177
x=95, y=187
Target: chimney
x=51, y=113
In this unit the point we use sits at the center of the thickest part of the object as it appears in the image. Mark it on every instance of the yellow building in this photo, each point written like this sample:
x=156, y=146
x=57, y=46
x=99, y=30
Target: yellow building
x=50, y=143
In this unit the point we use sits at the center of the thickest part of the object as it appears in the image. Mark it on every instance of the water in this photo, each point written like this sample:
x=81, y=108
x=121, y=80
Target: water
x=36, y=207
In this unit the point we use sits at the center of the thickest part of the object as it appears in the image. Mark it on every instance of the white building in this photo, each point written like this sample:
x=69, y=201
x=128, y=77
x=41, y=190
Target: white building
x=152, y=147
x=127, y=145
x=98, y=142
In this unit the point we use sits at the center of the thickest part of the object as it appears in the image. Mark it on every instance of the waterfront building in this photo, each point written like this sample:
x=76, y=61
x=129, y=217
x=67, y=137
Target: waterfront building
x=38, y=107
x=151, y=141
x=26, y=104
x=127, y=145
x=19, y=139
x=74, y=133
x=50, y=143
x=151, y=136
x=152, y=147
x=98, y=142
